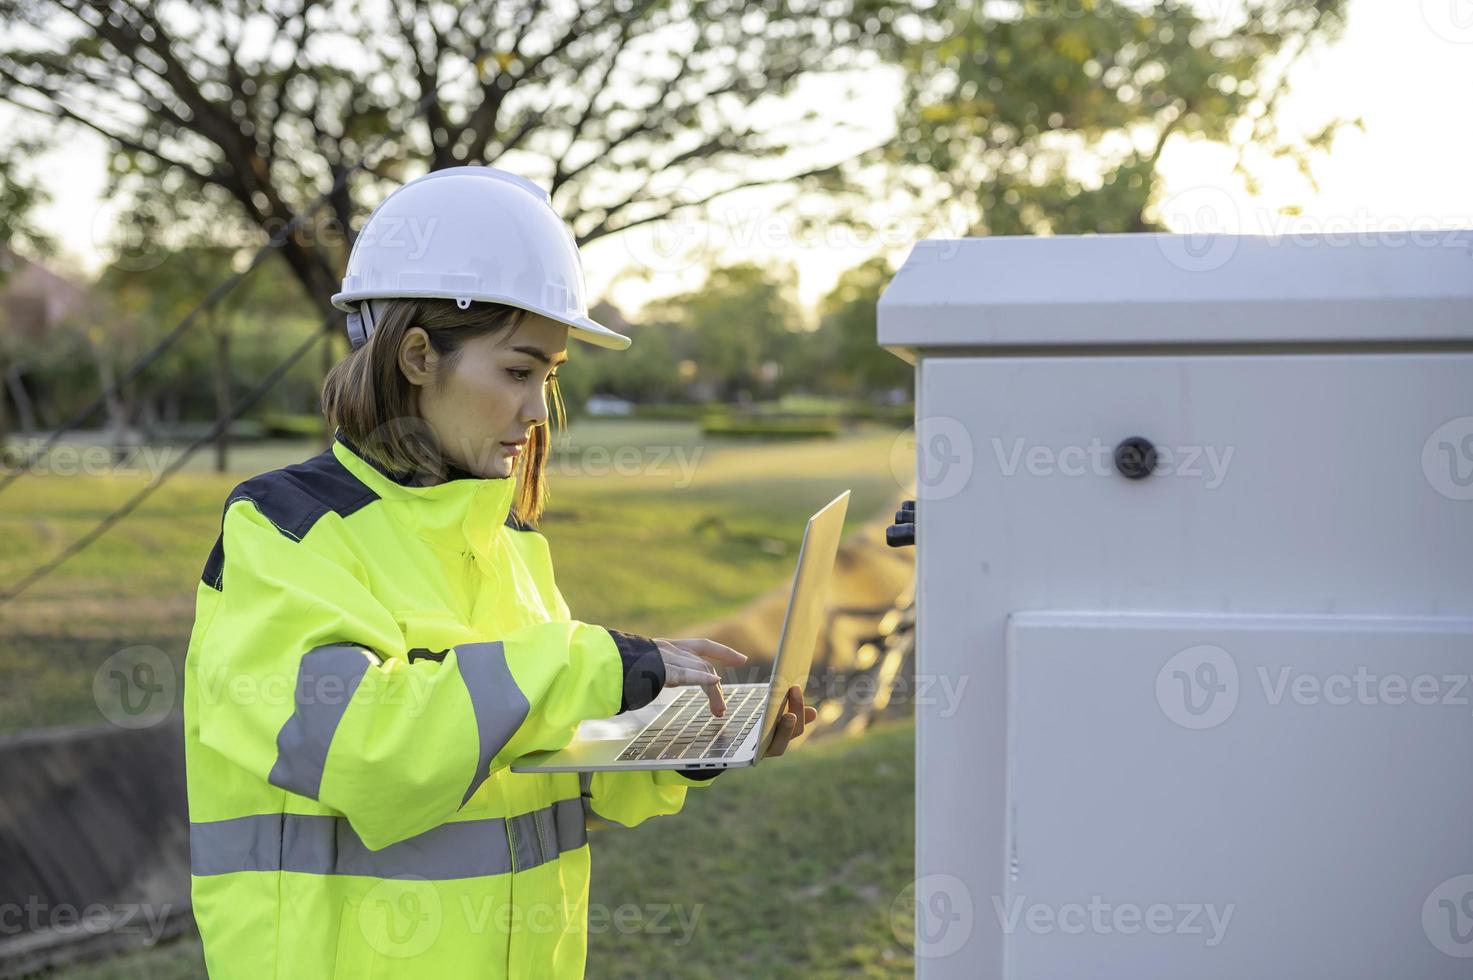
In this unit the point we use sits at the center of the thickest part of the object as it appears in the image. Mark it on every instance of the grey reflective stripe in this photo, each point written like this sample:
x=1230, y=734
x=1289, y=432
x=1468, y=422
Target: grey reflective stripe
x=568, y=816
x=327, y=845
x=302, y=743
x=542, y=834
x=499, y=705
x=534, y=838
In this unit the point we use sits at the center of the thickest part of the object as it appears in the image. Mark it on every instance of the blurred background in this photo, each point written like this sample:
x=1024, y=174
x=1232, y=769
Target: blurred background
x=179, y=188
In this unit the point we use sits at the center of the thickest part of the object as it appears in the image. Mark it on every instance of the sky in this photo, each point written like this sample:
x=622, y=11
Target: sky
x=1404, y=66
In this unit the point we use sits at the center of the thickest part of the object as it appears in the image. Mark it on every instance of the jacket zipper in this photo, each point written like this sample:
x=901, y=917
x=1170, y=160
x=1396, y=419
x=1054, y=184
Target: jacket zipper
x=468, y=572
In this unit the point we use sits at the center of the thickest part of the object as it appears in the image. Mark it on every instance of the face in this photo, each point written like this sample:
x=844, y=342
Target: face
x=484, y=410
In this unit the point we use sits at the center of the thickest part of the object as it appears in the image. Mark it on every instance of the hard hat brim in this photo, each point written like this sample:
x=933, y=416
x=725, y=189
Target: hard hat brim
x=582, y=328
x=592, y=332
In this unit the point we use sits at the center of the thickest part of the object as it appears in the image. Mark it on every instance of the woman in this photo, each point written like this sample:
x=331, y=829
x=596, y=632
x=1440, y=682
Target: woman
x=379, y=634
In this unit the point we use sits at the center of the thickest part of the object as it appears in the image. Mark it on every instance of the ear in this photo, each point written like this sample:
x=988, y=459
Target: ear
x=417, y=358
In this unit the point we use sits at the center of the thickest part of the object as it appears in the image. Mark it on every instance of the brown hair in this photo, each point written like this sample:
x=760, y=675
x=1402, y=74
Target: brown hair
x=369, y=399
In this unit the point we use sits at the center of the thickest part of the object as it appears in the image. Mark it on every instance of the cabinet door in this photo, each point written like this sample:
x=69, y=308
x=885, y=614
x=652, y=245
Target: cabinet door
x=1239, y=796
x=1290, y=484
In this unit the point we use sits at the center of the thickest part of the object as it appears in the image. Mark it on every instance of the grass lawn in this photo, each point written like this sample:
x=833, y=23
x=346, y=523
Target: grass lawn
x=829, y=901
x=652, y=529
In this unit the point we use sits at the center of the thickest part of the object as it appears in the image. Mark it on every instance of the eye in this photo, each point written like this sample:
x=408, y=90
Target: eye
x=521, y=374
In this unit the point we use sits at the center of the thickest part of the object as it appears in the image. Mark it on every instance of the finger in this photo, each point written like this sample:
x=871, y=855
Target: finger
x=683, y=673
x=676, y=675
x=716, y=698
x=690, y=664
x=795, y=705
x=711, y=650
x=784, y=734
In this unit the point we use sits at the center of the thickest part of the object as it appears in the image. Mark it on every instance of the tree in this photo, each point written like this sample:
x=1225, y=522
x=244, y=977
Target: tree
x=847, y=325
x=741, y=317
x=1020, y=106
x=133, y=307
x=20, y=195
x=647, y=372
x=242, y=112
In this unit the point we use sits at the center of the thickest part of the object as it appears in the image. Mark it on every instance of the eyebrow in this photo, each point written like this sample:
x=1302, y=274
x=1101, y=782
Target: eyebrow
x=541, y=355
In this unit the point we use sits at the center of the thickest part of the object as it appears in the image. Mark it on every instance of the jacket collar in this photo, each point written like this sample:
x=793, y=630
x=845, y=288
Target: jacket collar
x=464, y=509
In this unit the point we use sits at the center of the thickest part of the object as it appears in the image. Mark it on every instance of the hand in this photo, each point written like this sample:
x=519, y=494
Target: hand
x=791, y=723
x=686, y=663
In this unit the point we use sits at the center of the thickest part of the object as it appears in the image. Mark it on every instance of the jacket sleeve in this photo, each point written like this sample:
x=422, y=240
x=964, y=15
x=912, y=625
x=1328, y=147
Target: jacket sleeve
x=338, y=714
x=629, y=798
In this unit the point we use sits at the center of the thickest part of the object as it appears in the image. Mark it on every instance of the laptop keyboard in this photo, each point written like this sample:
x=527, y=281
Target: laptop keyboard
x=687, y=729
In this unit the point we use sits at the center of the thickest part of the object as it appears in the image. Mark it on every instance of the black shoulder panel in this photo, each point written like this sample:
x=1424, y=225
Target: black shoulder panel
x=517, y=524
x=293, y=498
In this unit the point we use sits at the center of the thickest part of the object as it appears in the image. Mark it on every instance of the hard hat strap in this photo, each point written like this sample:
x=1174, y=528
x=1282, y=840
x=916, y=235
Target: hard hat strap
x=361, y=324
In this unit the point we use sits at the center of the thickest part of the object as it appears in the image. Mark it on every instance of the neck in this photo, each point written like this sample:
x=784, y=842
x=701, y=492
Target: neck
x=450, y=470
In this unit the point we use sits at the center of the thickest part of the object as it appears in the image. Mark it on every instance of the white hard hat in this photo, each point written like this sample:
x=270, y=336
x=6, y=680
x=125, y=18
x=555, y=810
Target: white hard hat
x=467, y=234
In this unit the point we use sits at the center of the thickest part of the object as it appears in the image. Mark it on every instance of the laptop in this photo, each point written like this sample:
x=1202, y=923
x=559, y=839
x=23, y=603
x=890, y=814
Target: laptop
x=677, y=729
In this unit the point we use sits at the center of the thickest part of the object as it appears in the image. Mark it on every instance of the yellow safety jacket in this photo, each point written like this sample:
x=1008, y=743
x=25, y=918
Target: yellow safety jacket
x=367, y=659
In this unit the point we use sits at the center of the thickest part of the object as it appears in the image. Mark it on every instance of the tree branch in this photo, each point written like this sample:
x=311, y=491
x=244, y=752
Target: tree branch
x=604, y=228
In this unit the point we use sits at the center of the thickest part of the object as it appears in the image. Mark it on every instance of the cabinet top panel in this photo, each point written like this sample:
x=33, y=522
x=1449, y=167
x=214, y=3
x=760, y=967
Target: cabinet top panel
x=1413, y=287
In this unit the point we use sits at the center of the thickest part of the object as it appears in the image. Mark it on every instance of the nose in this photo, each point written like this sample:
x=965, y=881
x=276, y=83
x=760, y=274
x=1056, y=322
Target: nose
x=534, y=410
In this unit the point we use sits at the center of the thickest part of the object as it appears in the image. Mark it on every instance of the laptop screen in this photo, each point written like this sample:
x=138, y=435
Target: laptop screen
x=807, y=604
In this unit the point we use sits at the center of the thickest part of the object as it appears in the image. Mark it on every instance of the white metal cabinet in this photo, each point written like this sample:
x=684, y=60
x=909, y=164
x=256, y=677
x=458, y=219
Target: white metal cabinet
x=1289, y=819
x=1313, y=512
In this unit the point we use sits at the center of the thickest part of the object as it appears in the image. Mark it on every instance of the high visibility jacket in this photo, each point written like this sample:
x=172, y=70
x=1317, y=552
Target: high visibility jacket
x=367, y=659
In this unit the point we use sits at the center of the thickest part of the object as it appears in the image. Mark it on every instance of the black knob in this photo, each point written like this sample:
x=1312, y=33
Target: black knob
x=900, y=535
x=1135, y=458
x=907, y=512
